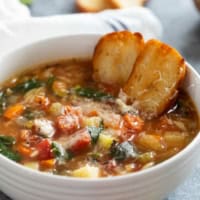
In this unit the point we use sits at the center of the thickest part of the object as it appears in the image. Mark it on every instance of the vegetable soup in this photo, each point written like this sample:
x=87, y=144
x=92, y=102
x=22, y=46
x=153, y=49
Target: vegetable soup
x=57, y=119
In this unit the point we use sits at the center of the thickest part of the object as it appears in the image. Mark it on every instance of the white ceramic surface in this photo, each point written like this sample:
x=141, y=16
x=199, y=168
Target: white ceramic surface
x=154, y=183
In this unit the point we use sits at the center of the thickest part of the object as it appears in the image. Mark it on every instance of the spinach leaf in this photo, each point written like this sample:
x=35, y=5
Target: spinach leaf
x=55, y=149
x=60, y=153
x=123, y=151
x=27, y=85
x=6, y=143
x=92, y=93
x=95, y=131
x=7, y=140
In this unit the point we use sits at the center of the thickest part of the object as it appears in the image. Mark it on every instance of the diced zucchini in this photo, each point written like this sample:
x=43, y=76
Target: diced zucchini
x=92, y=121
x=86, y=172
x=32, y=165
x=105, y=141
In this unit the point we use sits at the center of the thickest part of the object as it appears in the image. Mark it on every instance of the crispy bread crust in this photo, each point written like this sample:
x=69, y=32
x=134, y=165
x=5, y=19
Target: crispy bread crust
x=115, y=55
x=155, y=79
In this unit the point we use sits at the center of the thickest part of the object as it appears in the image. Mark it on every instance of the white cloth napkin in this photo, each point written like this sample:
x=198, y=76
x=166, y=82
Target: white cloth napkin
x=18, y=28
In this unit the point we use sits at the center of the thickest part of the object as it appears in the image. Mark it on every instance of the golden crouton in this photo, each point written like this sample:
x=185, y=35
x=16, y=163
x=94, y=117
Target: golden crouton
x=115, y=55
x=92, y=5
x=156, y=76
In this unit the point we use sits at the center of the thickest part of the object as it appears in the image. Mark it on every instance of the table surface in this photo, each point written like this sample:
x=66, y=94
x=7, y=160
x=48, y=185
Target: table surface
x=181, y=29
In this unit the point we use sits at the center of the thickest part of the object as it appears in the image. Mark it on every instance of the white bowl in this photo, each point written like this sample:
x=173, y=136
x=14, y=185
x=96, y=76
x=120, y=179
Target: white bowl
x=21, y=183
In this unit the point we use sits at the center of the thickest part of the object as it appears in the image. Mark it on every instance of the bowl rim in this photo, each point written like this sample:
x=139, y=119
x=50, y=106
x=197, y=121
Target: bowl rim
x=165, y=164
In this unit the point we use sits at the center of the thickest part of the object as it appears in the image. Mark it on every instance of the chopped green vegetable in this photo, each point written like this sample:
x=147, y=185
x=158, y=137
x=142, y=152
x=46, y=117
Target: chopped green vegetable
x=60, y=153
x=95, y=155
x=92, y=93
x=123, y=151
x=7, y=140
x=95, y=131
x=27, y=85
x=55, y=149
x=50, y=81
x=6, y=143
x=26, y=2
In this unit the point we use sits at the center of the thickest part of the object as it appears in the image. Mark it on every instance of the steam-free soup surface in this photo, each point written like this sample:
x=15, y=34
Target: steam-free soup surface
x=56, y=119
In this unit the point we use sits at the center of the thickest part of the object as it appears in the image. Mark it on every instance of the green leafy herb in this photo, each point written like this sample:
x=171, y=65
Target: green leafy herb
x=59, y=153
x=95, y=131
x=6, y=143
x=7, y=140
x=50, y=81
x=26, y=2
x=55, y=149
x=92, y=93
x=27, y=85
x=123, y=151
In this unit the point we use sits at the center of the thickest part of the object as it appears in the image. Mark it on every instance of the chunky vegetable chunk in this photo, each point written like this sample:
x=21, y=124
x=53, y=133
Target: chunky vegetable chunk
x=57, y=119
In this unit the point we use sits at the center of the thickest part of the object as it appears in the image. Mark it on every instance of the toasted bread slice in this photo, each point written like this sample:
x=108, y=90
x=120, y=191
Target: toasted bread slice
x=115, y=55
x=127, y=3
x=92, y=5
x=155, y=79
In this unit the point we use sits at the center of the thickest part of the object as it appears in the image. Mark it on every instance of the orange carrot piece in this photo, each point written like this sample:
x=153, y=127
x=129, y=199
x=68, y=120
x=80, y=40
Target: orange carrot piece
x=13, y=111
x=47, y=164
x=25, y=151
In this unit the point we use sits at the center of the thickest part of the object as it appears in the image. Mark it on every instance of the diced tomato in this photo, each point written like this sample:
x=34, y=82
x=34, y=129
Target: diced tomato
x=133, y=122
x=78, y=141
x=70, y=121
x=67, y=124
x=44, y=150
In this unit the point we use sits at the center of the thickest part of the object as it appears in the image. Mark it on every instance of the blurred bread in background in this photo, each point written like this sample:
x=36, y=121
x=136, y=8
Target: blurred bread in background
x=93, y=5
x=99, y=5
x=127, y=3
x=197, y=3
